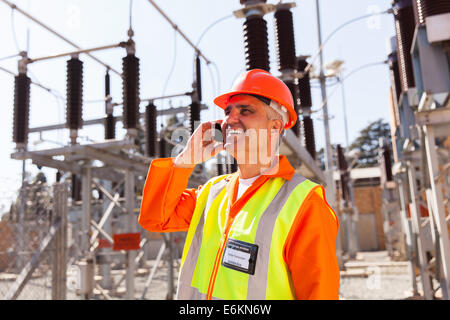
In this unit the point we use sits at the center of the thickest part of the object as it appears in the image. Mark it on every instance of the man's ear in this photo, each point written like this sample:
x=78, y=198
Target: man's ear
x=278, y=125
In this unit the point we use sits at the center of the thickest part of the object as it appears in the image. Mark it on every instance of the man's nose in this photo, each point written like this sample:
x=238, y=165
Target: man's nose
x=232, y=117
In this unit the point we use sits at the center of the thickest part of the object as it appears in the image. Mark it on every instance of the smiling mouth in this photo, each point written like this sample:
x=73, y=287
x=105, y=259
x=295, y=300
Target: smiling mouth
x=234, y=132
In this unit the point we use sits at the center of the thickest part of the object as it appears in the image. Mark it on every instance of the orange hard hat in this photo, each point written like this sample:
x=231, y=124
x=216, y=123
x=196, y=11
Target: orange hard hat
x=262, y=83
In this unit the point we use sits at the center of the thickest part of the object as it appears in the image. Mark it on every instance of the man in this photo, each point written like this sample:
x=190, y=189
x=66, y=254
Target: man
x=263, y=232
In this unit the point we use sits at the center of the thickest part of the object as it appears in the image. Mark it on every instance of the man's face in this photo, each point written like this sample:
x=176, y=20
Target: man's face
x=247, y=132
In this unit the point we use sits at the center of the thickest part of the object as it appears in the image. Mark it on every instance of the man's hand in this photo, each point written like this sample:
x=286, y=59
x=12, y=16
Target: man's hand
x=200, y=146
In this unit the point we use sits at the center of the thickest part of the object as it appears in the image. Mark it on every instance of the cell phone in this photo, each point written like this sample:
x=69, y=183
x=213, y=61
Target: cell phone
x=218, y=136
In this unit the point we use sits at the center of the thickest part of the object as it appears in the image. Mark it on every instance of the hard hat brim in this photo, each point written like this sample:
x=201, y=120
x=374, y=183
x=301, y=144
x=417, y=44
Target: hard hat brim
x=222, y=102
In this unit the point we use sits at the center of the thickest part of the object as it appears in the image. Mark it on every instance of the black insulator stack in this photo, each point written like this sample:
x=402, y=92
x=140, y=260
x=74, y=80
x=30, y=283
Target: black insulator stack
x=387, y=162
x=284, y=32
x=294, y=91
x=162, y=146
x=256, y=43
x=107, y=84
x=110, y=121
x=21, y=108
x=304, y=86
x=74, y=113
x=395, y=75
x=427, y=8
x=58, y=176
x=342, y=162
x=110, y=127
x=404, y=27
x=305, y=102
x=308, y=134
x=194, y=114
x=198, y=78
x=130, y=91
x=150, y=130
x=76, y=187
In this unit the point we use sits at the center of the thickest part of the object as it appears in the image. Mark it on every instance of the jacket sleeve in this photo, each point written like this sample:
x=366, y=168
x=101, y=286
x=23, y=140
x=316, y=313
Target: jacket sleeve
x=310, y=250
x=167, y=205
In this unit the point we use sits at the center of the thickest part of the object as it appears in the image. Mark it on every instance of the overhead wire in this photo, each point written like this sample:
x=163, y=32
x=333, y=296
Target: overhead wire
x=210, y=26
x=345, y=78
x=15, y=7
x=172, y=68
x=9, y=57
x=216, y=89
x=310, y=64
x=13, y=28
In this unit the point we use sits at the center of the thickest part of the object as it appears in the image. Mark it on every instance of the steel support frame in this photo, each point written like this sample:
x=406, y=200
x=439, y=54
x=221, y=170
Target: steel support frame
x=438, y=209
x=131, y=227
x=86, y=263
x=418, y=230
x=59, y=272
x=401, y=180
x=353, y=222
x=433, y=121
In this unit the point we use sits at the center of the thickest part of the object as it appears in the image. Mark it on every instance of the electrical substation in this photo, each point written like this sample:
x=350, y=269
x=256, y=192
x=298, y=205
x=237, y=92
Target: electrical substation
x=84, y=242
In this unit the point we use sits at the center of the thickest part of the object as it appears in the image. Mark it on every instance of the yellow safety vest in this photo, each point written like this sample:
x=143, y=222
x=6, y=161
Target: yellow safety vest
x=264, y=221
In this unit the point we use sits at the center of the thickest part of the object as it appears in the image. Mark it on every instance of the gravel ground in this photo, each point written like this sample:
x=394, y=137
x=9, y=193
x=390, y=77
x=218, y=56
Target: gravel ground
x=371, y=276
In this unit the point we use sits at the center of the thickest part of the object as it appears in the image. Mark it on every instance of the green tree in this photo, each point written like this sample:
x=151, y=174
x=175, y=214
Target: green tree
x=367, y=143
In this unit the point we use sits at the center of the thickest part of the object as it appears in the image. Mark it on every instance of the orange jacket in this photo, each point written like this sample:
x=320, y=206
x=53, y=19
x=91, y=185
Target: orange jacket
x=309, y=250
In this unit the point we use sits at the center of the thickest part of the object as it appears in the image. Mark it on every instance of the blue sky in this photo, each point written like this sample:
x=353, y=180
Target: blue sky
x=95, y=23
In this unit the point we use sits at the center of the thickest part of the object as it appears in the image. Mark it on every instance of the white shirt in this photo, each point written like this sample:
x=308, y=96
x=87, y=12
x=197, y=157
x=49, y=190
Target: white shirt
x=244, y=184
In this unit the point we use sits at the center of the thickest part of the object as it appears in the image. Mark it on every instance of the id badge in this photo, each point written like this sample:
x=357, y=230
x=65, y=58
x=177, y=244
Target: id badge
x=240, y=256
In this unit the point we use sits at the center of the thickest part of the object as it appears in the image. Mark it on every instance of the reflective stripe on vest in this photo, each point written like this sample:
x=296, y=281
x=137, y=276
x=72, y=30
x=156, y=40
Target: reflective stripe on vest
x=194, y=240
x=277, y=202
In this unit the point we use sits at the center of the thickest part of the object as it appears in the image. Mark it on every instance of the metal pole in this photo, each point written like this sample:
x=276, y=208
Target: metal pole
x=155, y=266
x=408, y=232
x=167, y=97
x=353, y=222
x=86, y=263
x=417, y=225
x=330, y=187
x=168, y=238
x=344, y=109
x=20, y=222
x=437, y=201
x=105, y=268
x=329, y=168
x=437, y=247
x=59, y=273
x=387, y=222
x=118, y=119
x=116, y=45
x=86, y=208
x=131, y=227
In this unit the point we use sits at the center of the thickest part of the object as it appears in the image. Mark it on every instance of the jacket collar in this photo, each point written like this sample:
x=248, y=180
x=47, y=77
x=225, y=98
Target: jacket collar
x=283, y=170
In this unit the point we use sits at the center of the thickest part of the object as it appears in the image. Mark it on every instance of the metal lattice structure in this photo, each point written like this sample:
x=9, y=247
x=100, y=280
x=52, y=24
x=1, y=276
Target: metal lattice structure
x=420, y=143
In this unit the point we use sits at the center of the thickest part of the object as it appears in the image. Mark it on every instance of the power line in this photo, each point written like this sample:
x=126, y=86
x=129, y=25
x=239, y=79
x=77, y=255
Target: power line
x=14, y=7
x=177, y=29
x=345, y=78
x=309, y=66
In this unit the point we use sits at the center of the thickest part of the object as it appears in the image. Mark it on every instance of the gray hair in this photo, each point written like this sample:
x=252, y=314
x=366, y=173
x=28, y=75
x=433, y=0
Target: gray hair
x=273, y=115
